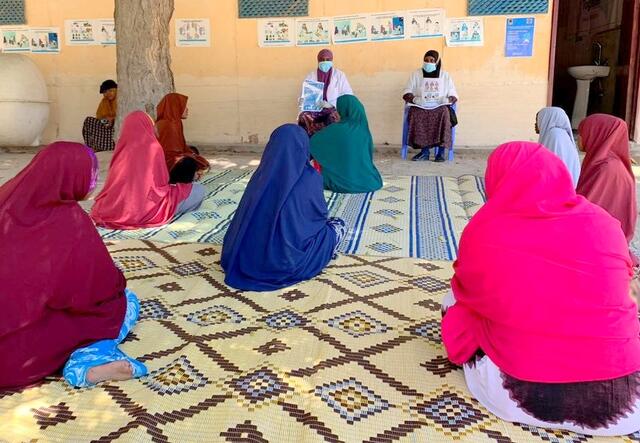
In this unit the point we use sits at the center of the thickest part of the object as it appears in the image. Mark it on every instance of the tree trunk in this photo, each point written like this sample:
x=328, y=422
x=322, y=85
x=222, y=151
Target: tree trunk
x=143, y=58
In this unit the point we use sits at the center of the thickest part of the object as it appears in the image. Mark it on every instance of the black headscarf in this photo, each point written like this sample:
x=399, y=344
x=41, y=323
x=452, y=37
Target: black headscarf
x=436, y=73
x=106, y=85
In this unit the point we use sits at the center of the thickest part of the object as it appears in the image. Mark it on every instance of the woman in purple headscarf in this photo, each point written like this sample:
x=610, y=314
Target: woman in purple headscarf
x=335, y=86
x=428, y=94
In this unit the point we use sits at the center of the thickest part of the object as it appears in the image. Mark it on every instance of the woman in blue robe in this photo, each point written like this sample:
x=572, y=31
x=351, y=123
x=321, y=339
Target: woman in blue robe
x=281, y=233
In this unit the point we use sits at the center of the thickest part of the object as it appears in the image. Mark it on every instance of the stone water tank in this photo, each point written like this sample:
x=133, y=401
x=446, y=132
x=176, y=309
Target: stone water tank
x=24, y=103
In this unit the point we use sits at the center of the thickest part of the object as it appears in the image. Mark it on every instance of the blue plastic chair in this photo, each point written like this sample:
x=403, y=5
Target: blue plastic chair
x=405, y=134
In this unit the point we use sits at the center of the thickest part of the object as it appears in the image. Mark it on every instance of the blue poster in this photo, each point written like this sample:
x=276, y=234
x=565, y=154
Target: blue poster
x=312, y=93
x=519, y=40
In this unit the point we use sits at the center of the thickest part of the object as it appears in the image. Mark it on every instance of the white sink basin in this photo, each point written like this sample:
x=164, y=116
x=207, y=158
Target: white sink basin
x=589, y=72
x=584, y=75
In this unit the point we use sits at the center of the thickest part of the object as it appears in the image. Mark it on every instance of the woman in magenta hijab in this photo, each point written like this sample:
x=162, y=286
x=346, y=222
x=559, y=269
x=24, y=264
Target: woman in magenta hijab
x=137, y=193
x=335, y=86
x=540, y=313
x=606, y=178
x=60, y=288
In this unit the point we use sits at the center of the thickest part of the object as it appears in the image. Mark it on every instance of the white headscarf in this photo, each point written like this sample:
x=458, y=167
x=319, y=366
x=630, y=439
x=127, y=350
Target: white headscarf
x=557, y=136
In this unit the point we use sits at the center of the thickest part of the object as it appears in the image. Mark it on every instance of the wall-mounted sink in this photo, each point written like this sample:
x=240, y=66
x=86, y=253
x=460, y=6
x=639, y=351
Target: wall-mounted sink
x=589, y=72
x=584, y=75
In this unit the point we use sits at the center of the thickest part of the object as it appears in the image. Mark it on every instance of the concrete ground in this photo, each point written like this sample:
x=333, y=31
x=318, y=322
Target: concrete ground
x=13, y=160
x=467, y=161
x=388, y=161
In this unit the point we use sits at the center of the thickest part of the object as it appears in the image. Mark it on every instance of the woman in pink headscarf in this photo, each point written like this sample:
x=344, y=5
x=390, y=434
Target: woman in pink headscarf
x=606, y=178
x=335, y=85
x=540, y=313
x=62, y=297
x=137, y=193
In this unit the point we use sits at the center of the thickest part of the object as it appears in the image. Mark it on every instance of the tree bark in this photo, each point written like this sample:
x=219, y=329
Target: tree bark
x=143, y=57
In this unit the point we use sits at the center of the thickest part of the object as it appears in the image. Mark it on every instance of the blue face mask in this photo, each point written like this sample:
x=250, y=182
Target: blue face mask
x=429, y=67
x=325, y=66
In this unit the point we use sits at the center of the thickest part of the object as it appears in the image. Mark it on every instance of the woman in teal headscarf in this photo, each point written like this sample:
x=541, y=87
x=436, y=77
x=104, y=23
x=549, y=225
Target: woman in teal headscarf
x=345, y=151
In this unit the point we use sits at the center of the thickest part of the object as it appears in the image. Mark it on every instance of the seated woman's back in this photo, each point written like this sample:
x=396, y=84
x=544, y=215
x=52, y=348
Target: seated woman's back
x=279, y=235
x=60, y=288
x=556, y=135
x=137, y=193
x=542, y=288
x=172, y=109
x=345, y=151
x=607, y=178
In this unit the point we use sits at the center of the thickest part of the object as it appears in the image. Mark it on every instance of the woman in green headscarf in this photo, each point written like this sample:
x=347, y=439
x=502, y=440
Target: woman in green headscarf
x=345, y=151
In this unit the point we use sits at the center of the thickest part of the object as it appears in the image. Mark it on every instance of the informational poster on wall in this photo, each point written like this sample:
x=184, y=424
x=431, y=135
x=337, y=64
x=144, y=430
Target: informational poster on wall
x=105, y=29
x=519, y=37
x=80, y=32
x=425, y=23
x=276, y=32
x=90, y=32
x=387, y=26
x=313, y=31
x=194, y=32
x=15, y=39
x=467, y=31
x=350, y=29
x=45, y=40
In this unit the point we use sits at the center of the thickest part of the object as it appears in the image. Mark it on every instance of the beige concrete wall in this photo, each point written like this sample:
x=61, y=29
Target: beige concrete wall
x=240, y=92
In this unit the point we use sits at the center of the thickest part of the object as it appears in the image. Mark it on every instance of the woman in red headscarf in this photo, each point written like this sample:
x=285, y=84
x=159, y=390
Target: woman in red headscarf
x=183, y=162
x=335, y=85
x=137, y=193
x=540, y=313
x=60, y=288
x=606, y=178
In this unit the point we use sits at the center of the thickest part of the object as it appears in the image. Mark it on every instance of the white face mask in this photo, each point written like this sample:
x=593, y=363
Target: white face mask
x=430, y=67
x=325, y=66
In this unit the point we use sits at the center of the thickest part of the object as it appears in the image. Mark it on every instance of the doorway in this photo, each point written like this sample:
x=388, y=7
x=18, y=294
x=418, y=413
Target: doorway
x=597, y=32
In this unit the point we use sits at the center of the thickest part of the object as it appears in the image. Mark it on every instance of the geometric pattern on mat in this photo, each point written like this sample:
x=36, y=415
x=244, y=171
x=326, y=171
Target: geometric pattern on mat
x=336, y=359
x=411, y=216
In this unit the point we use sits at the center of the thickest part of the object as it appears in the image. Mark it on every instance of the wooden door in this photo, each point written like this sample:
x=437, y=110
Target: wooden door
x=628, y=72
x=555, y=10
